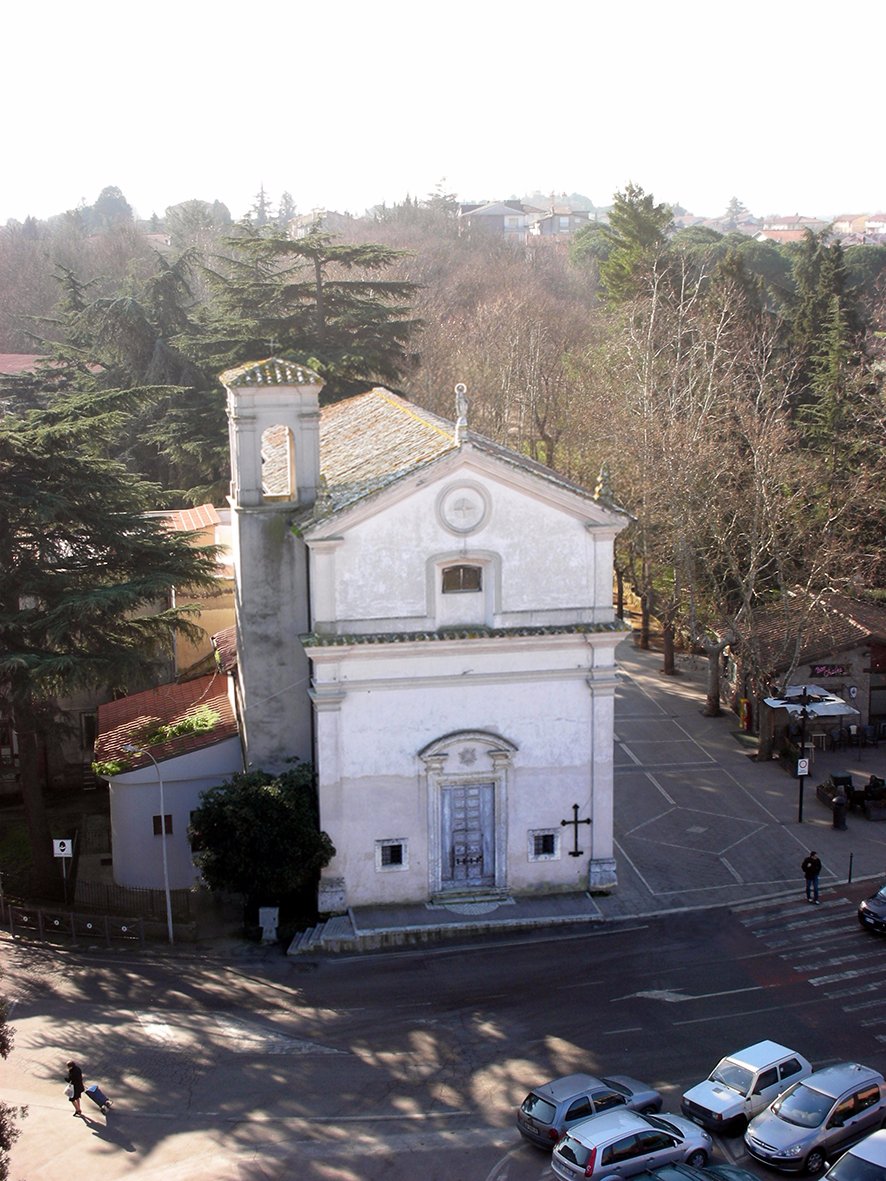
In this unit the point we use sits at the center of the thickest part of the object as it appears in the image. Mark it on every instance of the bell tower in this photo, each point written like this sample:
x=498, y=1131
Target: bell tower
x=274, y=431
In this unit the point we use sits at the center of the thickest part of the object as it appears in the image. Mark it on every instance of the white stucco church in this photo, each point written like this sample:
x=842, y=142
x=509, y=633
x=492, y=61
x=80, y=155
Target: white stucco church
x=427, y=617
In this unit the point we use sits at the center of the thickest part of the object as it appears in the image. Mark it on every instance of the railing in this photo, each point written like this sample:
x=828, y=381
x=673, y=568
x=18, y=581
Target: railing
x=46, y=923
x=150, y=904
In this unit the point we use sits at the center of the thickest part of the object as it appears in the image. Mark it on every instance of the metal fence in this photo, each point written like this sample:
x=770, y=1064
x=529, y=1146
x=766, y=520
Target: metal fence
x=149, y=904
x=43, y=923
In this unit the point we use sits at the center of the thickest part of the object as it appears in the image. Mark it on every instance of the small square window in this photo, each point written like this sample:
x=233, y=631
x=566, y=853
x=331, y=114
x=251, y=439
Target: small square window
x=544, y=844
x=167, y=825
x=462, y=579
x=391, y=855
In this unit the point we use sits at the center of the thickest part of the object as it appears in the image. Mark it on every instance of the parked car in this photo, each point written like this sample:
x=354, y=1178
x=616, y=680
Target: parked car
x=742, y=1084
x=872, y=912
x=622, y=1143
x=865, y=1162
x=818, y=1117
x=688, y=1173
x=548, y=1110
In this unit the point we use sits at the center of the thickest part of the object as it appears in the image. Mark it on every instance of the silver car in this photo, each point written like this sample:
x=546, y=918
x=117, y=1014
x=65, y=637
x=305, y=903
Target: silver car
x=620, y=1143
x=818, y=1118
x=866, y=1161
x=549, y=1110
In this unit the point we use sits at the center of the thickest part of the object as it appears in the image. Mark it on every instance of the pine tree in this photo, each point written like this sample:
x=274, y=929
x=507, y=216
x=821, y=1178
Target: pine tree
x=168, y=420
x=83, y=574
x=636, y=237
x=298, y=297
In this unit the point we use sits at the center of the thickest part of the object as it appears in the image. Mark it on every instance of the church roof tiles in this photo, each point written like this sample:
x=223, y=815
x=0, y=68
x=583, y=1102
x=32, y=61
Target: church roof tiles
x=372, y=440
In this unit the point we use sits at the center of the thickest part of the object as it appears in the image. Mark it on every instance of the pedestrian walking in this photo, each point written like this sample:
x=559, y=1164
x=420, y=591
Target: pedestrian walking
x=811, y=869
x=74, y=1079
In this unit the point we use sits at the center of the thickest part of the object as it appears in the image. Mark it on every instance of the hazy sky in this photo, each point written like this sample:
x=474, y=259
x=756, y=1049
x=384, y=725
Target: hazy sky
x=346, y=104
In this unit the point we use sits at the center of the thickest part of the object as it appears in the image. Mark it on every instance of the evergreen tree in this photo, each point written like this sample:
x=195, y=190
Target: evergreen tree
x=298, y=297
x=819, y=274
x=261, y=212
x=110, y=208
x=286, y=210
x=85, y=580
x=169, y=419
x=636, y=234
x=830, y=419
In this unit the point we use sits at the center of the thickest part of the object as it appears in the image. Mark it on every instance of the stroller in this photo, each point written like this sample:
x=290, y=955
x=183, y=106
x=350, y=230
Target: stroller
x=99, y=1098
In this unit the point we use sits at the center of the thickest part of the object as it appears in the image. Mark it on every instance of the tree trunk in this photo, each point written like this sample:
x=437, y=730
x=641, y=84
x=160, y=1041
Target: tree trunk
x=714, y=651
x=619, y=594
x=46, y=880
x=669, y=668
x=644, y=621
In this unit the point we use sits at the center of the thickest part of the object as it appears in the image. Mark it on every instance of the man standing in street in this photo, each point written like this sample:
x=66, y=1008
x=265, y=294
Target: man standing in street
x=811, y=869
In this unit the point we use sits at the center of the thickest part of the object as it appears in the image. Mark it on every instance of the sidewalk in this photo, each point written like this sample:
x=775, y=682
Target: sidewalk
x=698, y=823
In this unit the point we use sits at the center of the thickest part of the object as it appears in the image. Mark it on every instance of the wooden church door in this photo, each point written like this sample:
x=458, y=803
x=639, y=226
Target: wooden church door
x=468, y=836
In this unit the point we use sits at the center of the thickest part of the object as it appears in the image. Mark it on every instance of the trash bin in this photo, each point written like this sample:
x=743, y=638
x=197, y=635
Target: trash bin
x=840, y=804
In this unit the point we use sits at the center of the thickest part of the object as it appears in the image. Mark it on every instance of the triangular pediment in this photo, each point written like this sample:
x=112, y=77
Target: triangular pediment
x=376, y=446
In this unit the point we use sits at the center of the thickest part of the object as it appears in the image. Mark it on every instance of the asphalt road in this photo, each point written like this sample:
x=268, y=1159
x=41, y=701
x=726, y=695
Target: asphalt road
x=411, y=1065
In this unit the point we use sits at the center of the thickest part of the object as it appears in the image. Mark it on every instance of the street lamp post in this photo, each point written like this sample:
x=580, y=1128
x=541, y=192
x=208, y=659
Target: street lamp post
x=801, y=760
x=137, y=750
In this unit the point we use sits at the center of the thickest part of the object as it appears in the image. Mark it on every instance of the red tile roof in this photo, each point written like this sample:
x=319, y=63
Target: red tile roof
x=225, y=644
x=131, y=718
x=185, y=520
x=838, y=624
x=11, y=363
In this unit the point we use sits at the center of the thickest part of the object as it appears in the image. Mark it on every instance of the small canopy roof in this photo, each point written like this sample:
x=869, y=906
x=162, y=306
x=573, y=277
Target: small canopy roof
x=818, y=702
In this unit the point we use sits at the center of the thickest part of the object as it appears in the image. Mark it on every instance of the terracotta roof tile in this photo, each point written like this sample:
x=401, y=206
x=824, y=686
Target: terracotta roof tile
x=840, y=623
x=129, y=719
x=225, y=644
x=11, y=363
x=186, y=520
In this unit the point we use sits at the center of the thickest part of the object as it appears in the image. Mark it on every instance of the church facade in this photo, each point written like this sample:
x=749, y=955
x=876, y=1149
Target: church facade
x=427, y=617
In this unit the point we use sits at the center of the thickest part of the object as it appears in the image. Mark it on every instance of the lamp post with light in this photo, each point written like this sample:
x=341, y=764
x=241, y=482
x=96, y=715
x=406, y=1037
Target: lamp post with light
x=138, y=750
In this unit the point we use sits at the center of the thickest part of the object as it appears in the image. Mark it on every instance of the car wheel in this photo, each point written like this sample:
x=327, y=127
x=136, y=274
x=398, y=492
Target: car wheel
x=698, y=1159
x=815, y=1161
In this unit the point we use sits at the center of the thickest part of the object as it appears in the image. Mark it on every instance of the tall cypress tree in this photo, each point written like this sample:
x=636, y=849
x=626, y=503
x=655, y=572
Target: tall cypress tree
x=635, y=238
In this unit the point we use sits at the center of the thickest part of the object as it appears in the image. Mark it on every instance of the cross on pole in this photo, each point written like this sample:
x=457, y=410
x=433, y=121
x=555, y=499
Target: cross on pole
x=576, y=852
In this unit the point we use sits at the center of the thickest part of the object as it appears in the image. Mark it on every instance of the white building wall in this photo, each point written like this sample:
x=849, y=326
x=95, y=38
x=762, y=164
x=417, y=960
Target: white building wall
x=554, y=562
x=135, y=801
x=375, y=786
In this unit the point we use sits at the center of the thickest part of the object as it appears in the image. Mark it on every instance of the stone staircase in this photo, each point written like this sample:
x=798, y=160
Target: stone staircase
x=335, y=934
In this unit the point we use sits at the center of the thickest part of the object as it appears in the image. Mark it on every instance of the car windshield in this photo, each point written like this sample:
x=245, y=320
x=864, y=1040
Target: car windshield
x=803, y=1106
x=660, y=1121
x=737, y=1078
x=881, y=894
x=571, y=1149
x=616, y=1087
x=538, y=1108
x=853, y=1168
